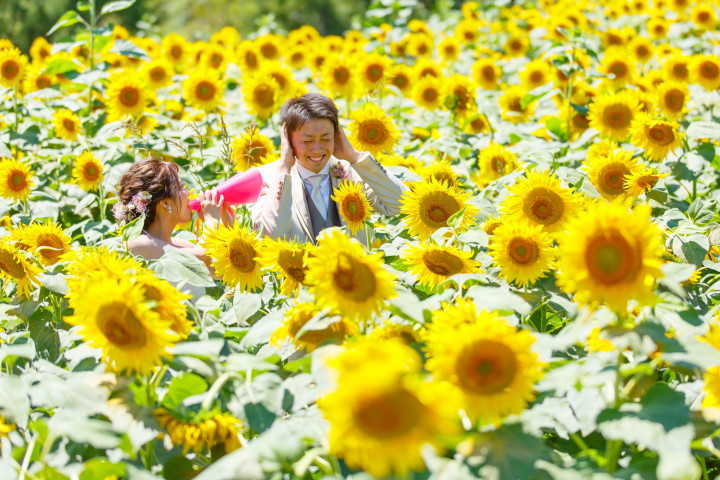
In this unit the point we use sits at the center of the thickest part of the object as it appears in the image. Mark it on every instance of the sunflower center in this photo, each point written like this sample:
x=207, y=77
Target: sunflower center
x=17, y=180
x=205, y=91
x=536, y=77
x=373, y=132
x=442, y=263
x=69, y=125
x=429, y=71
x=709, y=70
x=10, y=69
x=674, y=100
x=91, y=172
x=515, y=45
x=120, y=326
x=51, y=244
x=430, y=94
x=157, y=74
x=617, y=116
x=353, y=278
x=269, y=50
x=436, y=208
x=680, y=70
x=341, y=75
x=612, y=178
x=642, y=51
x=703, y=17
x=580, y=121
x=280, y=79
x=486, y=367
x=216, y=60
x=660, y=134
x=292, y=263
x=389, y=415
x=263, y=96
x=353, y=209
x=242, y=255
x=488, y=73
x=543, y=206
x=498, y=165
x=129, y=96
x=10, y=265
x=522, y=251
x=400, y=81
x=42, y=82
x=251, y=59
x=176, y=52
x=374, y=73
x=514, y=105
x=611, y=259
x=256, y=150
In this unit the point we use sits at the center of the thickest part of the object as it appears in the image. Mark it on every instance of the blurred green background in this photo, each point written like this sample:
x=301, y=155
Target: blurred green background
x=23, y=20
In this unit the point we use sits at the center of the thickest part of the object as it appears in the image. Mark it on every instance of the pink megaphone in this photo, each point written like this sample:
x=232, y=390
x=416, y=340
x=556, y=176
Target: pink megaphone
x=243, y=187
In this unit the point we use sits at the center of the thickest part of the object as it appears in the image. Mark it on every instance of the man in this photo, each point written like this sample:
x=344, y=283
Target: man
x=315, y=156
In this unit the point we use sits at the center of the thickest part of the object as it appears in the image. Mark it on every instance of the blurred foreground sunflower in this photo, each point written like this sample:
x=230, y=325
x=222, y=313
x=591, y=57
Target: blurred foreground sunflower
x=48, y=241
x=288, y=259
x=298, y=316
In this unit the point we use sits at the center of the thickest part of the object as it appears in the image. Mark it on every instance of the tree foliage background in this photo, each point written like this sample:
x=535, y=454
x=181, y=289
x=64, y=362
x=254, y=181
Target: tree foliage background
x=23, y=20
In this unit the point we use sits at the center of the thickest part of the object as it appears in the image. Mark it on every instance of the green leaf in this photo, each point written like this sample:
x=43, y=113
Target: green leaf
x=511, y=453
x=97, y=433
x=691, y=248
x=116, y=6
x=60, y=65
x=259, y=417
x=14, y=400
x=707, y=151
x=71, y=17
x=581, y=109
x=176, y=266
x=557, y=127
x=455, y=220
x=84, y=7
x=695, y=208
x=133, y=229
x=498, y=299
x=44, y=334
x=5, y=151
x=100, y=469
x=56, y=283
x=129, y=49
x=181, y=387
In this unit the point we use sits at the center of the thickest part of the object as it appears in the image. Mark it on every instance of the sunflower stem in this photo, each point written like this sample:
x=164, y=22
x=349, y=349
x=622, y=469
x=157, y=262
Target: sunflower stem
x=367, y=236
x=16, y=110
x=612, y=453
x=704, y=467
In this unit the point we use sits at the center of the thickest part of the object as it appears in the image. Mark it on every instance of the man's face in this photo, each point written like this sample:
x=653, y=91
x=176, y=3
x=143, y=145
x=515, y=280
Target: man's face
x=314, y=143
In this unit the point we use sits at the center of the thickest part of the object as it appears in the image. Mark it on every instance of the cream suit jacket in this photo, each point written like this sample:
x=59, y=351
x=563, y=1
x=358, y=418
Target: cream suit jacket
x=282, y=210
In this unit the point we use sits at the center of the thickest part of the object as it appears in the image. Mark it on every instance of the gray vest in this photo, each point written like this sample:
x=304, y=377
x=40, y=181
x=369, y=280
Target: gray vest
x=318, y=222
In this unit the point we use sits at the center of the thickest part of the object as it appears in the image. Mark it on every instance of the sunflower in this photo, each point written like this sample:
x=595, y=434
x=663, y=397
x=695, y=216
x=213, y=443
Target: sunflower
x=460, y=95
x=352, y=205
x=495, y=161
x=658, y=27
x=48, y=241
x=406, y=333
x=343, y=277
x=35, y=79
x=516, y=45
x=87, y=171
x=425, y=67
x=611, y=255
x=247, y=57
x=596, y=343
x=523, y=252
x=301, y=314
x=167, y=301
x=200, y=433
x=380, y=415
x=158, y=73
x=428, y=92
x=711, y=388
x=234, y=251
x=125, y=95
x=175, y=49
x=609, y=172
x=657, y=137
x=703, y=15
x=372, y=130
x=5, y=428
x=449, y=49
x=40, y=49
x=442, y=171
x=477, y=123
x=511, y=106
x=337, y=77
x=261, y=96
x=612, y=114
x=642, y=49
x=400, y=76
x=297, y=57
x=116, y=318
x=15, y=180
x=677, y=68
x=204, y=90
x=87, y=260
x=251, y=149
x=288, y=259
x=617, y=63
x=490, y=362
x=282, y=75
x=535, y=74
x=433, y=264
x=371, y=70
x=269, y=46
x=705, y=71
x=215, y=57
x=540, y=199
x=672, y=98
x=429, y=205
x=641, y=182
x=12, y=67
x=16, y=267
x=67, y=124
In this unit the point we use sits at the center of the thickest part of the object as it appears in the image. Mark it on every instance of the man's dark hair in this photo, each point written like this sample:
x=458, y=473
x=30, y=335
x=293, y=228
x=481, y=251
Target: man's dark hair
x=298, y=111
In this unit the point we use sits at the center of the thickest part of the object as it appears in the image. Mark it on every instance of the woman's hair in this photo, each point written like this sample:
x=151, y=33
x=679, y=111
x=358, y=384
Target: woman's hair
x=158, y=178
x=298, y=111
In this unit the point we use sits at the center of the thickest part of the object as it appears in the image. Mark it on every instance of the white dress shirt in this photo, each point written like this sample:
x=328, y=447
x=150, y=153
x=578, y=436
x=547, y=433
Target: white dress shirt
x=305, y=174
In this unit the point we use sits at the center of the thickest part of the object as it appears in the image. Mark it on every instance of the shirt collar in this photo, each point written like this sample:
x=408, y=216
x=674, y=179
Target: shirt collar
x=305, y=173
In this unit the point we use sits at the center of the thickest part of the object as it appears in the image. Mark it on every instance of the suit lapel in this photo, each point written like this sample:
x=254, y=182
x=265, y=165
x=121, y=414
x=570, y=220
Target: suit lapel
x=299, y=204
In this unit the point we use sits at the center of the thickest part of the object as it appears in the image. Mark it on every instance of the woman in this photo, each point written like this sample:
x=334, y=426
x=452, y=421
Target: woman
x=153, y=187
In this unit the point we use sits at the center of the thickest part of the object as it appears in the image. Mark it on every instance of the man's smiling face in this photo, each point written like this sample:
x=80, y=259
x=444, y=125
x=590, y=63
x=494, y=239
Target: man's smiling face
x=314, y=143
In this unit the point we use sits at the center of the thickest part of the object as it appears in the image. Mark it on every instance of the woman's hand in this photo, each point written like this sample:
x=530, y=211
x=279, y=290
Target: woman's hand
x=211, y=207
x=228, y=216
x=343, y=149
x=287, y=155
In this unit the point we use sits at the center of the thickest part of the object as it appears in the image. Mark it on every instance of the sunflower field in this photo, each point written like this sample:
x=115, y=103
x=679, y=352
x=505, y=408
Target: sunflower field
x=544, y=305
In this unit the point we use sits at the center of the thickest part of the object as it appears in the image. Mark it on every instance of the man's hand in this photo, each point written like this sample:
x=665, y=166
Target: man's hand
x=343, y=150
x=287, y=155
